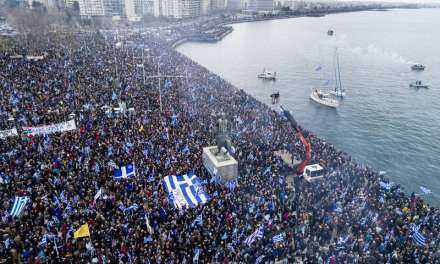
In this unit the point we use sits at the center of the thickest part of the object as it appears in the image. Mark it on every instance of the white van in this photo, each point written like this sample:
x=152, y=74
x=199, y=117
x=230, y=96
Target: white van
x=313, y=172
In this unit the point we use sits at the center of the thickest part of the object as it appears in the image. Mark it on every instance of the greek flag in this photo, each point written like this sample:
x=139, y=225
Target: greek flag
x=185, y=191
x=196, y=255
x=231, y=185
x=417, y=236
x=279, y=237
x=168, y=84
x=19, y=204
x=198, y=220
x=386, y=185
x=174, y=120
x=258, y=234
x=425, y=190
x=43, y=241
x=259, y=259
x=132, y=207
x=125, y=172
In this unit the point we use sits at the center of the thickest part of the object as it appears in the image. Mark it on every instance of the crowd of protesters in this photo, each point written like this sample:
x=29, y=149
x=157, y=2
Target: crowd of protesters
x=352, y=215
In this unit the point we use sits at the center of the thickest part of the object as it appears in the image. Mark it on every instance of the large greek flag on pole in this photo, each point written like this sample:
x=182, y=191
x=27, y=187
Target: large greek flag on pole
x=19, y=204
x=185, y=191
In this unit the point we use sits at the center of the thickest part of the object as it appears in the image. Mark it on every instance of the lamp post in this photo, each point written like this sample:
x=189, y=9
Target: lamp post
x=159, y=76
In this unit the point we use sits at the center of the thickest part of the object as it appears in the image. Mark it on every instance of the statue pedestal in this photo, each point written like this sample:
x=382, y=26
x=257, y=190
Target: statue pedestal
x=223, y=166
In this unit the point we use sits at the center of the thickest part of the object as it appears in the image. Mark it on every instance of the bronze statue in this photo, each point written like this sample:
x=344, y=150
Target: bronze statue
x=222, y=135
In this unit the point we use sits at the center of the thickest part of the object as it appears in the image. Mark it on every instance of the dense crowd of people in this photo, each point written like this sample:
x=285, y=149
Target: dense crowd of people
x=352, y=215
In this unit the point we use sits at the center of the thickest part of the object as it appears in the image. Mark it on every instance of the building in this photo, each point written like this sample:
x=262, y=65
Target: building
x=218, y=5
x=233, y=5
x=130, y=10
x=113, y=8
x=142, y=8
x=205, y=6
x=260, y=5
x=177, y=8
x=90, y=8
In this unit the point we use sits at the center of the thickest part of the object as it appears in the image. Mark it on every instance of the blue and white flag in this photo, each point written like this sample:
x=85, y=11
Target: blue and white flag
x=132, y=207
x=43, y=241
x=168, y=84
x=185, y=191
x=198, y=220
x=125, y=172
x=425, y=190
x=258, y=234
x=231, y=185
x=418, y=237
x=174, y=120
x=318, y=68
x=196, y=255
x=259, y=259
x=279, y=238
x=19, y=204
x=185, y=150
x=386, y=185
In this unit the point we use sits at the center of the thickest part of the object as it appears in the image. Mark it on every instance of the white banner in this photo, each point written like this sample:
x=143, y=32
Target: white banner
x=50, y=129
x=8, y=133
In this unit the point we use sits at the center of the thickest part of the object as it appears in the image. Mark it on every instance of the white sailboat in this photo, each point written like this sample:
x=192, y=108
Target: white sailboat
x=338, y=91
x=322, y=98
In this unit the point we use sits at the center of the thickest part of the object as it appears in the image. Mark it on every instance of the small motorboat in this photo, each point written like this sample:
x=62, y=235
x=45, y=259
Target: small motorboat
x=322, y=98
x=267, y=75
x=330, y=32
x=418, y=67
x=418, y=84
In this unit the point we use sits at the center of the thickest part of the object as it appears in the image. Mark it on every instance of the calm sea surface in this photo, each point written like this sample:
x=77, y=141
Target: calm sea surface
x=381, y=122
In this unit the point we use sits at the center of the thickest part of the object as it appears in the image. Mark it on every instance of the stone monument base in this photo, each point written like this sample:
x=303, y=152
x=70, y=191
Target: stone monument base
x=221, y=165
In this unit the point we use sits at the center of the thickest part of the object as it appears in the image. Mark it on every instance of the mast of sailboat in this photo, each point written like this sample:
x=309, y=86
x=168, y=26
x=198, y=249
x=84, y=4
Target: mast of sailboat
x=334, y=66
x=339, y=72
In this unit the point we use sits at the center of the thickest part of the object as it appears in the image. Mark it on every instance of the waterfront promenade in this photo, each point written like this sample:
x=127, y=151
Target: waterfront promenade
x=353, y=215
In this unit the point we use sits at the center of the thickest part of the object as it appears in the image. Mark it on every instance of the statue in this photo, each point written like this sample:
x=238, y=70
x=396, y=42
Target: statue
x=222, y=135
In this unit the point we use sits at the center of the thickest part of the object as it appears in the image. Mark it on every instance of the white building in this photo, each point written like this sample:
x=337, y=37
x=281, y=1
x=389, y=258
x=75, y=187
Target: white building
x=89, y=8
x=113, y=8
x=218, y=5
x=130, y=10
x=205, y=6
x=177, y=8
x=260, y=5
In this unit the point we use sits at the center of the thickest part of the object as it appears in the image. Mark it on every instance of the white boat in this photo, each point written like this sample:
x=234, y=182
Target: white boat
x=418, y=84
x=418, y=67
x=322, y=98
x=339, y=91
x=267, y=75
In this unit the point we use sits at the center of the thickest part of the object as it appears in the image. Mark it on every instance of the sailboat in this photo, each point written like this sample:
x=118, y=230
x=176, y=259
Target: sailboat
x=323, y=98
x=339, y=91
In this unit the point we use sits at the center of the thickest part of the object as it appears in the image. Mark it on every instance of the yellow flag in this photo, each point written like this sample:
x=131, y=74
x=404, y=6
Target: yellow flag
x=141, y=128
x=83, y=231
